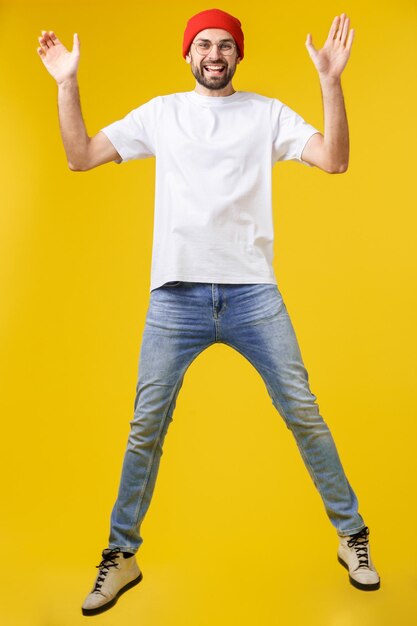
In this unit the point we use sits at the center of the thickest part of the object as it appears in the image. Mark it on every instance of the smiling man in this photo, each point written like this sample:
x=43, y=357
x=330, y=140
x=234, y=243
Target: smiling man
x=212, y=277
x=214, y=74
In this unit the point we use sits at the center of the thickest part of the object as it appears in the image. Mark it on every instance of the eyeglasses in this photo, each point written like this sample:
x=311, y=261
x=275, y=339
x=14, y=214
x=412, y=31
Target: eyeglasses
x=204, y=47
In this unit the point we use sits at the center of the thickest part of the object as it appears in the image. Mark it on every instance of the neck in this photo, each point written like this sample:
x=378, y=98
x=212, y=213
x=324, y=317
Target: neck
x=216, y=93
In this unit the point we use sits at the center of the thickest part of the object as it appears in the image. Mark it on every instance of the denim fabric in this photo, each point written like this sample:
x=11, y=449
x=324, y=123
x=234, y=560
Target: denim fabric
x=183, y=319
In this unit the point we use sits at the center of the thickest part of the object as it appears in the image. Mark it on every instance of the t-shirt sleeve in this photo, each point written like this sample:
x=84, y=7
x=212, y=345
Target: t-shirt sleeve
x=134, y=135
x=290, y=134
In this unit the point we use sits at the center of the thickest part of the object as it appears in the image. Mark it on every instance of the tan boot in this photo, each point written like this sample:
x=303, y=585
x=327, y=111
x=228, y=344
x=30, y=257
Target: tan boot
x=117, y=573
x=354, y=554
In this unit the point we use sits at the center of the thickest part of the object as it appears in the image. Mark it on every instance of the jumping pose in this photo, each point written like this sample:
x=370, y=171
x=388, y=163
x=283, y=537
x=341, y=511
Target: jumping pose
x=212, y=278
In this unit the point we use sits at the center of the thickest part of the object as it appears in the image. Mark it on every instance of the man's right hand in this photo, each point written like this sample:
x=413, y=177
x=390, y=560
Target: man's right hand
x=60, y=63
x=83, y=152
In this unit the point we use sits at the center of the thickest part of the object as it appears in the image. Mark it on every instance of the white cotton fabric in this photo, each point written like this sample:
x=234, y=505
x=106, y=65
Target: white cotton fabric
x=213, y=199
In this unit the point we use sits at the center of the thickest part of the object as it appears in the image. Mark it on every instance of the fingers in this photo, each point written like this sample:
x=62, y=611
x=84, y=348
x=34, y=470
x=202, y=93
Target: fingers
x=47, y=41
x=54, y=38
x=345, y=30
x=350, y=39
x=43, y=47
x=333, y=28
x=76, y=43
x=309, y=44
x=340, y=27
x=339, y=30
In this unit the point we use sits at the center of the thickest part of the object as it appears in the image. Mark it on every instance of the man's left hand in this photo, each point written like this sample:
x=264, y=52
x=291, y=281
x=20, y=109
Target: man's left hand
x=331, y=60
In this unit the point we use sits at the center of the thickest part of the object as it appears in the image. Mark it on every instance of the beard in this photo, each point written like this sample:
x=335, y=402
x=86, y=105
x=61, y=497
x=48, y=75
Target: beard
x=213, y=82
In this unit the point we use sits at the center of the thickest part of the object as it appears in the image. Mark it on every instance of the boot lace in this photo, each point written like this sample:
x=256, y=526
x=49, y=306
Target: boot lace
x=359, y=543
x=104, y=567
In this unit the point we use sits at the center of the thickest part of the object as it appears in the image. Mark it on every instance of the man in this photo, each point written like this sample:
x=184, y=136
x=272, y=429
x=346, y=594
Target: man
x=212, y=278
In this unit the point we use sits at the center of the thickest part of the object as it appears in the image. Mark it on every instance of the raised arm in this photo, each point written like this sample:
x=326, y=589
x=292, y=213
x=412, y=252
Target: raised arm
x=83, y=152
x=331, y=151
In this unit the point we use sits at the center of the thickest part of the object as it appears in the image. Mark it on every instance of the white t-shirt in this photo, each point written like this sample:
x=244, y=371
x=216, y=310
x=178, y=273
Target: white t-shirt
x=213, y=199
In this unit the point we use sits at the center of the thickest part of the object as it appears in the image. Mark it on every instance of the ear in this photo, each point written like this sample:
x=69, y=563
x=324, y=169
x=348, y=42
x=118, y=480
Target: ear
x=188, y=58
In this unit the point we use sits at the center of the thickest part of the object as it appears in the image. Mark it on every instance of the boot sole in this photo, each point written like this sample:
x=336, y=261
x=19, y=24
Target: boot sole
x=108, y=605
x=361, y=586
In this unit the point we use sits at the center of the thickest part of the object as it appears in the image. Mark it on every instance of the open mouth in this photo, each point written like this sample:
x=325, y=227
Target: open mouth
x=214, y=70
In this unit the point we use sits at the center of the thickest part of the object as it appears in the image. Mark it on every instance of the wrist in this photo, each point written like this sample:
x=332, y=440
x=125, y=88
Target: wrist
x=67, y=82
x=330, y=81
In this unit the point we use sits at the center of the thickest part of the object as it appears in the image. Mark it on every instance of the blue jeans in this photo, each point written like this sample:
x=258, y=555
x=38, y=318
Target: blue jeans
x=182, y=320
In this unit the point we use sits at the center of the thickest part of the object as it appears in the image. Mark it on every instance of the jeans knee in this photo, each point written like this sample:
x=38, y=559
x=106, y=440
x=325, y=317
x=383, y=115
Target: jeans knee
x=304, y=417
x=146, y=428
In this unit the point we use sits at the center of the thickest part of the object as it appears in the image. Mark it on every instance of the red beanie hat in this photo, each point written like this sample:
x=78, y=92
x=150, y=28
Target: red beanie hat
x=213, y=18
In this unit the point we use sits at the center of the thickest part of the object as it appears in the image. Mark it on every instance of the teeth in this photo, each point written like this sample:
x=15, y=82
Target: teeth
x=214, y=67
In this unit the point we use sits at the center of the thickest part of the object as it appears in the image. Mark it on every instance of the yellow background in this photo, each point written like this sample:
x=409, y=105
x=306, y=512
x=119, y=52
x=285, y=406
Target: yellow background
x=236, y=533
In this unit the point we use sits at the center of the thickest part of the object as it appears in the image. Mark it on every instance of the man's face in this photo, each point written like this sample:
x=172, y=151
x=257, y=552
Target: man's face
x=213, y=70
